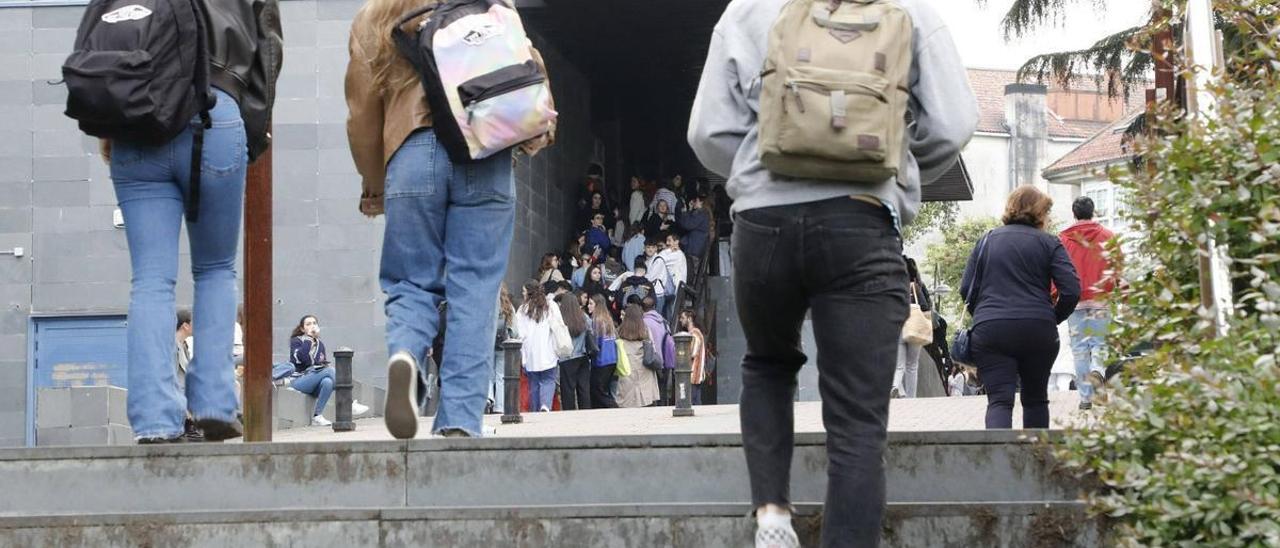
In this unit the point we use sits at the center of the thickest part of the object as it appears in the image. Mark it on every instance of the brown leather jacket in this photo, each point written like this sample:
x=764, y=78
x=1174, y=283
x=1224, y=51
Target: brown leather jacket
x=378, y=122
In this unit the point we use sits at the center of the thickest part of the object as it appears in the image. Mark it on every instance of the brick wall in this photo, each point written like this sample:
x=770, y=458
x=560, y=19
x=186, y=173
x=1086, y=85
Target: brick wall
x=56, y=199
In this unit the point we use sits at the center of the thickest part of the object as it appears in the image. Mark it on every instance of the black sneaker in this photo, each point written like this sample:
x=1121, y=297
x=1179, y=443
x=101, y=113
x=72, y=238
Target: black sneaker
x=190, y=433
x=1085, y=406
x=161, y=441
x=218, y=430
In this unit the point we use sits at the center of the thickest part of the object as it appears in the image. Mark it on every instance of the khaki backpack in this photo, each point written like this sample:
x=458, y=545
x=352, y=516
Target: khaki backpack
x=834, y=92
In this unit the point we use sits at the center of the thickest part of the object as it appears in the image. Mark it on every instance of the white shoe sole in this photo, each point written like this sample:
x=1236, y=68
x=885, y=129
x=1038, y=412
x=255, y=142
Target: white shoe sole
x=401, y=413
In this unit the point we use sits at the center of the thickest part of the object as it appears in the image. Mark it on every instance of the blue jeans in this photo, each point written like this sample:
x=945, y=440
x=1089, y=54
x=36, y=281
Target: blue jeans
x=542, y=388
x=150, y=183
x=1088, y=328
x=448, y=235
x=318, y=383
x=497, y=382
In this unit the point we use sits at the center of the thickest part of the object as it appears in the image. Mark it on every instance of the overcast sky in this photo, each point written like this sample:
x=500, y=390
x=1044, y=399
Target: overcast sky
x=977, y=30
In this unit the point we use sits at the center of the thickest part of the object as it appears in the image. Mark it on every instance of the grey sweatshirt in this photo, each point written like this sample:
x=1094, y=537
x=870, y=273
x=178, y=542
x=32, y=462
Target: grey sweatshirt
x=724, y=130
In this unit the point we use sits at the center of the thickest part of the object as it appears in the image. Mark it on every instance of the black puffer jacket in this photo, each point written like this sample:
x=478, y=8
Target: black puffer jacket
x=246, y=53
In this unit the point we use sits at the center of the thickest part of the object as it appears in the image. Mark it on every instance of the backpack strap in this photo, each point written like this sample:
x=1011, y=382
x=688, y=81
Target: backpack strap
x=207, y=100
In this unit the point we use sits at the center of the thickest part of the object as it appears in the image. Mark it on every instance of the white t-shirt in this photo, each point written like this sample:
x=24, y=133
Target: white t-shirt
x=677, y=265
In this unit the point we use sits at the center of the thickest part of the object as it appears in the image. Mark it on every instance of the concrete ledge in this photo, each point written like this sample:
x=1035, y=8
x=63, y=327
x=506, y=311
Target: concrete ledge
x=997, y=467
x=681, y=525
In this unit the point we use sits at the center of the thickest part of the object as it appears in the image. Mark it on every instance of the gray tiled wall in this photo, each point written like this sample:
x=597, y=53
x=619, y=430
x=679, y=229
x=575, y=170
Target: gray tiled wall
x=56, y=199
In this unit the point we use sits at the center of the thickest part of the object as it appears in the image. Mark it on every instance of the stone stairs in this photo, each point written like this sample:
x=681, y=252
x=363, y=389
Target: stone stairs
x=945, y=489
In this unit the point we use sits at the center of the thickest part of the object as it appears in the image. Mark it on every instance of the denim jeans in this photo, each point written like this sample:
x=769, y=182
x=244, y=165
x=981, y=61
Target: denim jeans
x=150, y=184
x=497, y=382
x=1088, y=328
x=448, y=235
x=318, y=383
x=542, y=389
x=840, y=261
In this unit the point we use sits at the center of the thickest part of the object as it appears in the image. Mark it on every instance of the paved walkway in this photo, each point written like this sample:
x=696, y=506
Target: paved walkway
x=924, y=414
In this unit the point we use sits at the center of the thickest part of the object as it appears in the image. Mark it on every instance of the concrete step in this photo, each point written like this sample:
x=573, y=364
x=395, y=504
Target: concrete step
x=293, y=409
x=673, y=469
x=626, y=525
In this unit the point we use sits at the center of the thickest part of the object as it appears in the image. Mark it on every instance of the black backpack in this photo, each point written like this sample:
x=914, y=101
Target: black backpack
x=139, y=72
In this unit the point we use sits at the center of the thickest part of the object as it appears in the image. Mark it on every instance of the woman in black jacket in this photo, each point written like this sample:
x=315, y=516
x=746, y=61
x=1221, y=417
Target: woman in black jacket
x=1019, y=285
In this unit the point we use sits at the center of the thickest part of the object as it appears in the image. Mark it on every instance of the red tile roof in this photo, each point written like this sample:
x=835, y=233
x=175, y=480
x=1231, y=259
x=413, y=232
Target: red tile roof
x=1105, y=147
x=988, y=86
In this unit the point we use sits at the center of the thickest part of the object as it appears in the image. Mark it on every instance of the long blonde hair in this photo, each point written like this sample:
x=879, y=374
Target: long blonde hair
x=391, y=71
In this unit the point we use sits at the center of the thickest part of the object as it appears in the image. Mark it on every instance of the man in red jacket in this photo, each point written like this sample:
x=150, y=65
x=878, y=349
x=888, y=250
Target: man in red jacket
x=1086, y=242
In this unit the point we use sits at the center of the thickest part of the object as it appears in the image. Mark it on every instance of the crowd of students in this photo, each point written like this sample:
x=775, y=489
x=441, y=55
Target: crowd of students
x=613, y=291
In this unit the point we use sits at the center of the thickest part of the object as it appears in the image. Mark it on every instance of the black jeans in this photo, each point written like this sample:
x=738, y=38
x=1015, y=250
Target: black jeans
x=664, y=385
x=601, y=387
x=575, y=384
x=840, y=261
x=1009, y=351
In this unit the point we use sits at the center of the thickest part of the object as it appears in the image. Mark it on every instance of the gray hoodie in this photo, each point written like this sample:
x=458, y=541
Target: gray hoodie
x=724, y=130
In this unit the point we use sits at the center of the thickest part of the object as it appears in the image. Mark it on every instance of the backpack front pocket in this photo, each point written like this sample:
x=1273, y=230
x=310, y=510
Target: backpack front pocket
x=505, y=108
x=835, y=115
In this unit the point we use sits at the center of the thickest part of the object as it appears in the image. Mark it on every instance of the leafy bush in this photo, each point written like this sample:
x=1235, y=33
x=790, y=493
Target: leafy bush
x=1187, y=451
x=948, y=258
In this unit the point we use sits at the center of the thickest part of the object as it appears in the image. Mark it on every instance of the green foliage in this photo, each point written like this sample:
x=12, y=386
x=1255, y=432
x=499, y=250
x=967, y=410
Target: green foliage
x=1187, y=452
x=948, y=258
x=932, y=216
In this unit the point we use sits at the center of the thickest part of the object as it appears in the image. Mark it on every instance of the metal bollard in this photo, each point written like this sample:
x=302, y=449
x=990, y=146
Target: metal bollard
x=684, y=370
x=511, y=382
x=342, y=385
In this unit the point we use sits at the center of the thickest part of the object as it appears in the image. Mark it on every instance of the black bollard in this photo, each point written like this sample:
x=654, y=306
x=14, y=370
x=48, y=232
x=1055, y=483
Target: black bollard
x=511, y=382
x=684, y=370
x=342, y=385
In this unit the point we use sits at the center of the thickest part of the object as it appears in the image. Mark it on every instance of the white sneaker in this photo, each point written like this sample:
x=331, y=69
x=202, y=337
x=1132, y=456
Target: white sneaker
x=319, y=420
x=401, y=411
x=776, y=532
x=358, y=409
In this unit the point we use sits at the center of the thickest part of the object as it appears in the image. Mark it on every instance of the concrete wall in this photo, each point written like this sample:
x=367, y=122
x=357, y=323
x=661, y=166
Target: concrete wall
x=56, y=199
x=987, y=157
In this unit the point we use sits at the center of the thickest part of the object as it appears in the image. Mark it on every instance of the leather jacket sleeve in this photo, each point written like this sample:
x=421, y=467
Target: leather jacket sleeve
x=246, y=53
x=365, y=115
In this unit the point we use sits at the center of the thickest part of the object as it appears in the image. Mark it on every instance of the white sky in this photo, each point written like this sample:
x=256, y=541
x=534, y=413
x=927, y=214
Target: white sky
x=978, y=34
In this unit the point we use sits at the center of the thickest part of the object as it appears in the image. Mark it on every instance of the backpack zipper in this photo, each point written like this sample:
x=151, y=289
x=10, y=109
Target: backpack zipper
x=506, y=87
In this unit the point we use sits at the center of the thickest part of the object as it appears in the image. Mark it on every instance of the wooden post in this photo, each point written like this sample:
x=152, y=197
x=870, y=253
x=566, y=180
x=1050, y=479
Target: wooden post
x=258, y=301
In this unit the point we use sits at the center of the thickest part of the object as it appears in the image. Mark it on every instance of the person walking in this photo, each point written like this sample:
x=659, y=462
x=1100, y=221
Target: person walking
x=906, y=376
x=533, y=323
x=504, y=329
x=836, y=235
x=575, y=370
x=605, y=364
x=1086, y=244
x=697, y=353
x=664, y=344
x=448, y=228
x=640, y=387
x=1009, y=285
x=154, y=190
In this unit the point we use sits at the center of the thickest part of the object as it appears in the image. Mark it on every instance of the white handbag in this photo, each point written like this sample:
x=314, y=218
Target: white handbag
x=918, y=330
x=562, y=341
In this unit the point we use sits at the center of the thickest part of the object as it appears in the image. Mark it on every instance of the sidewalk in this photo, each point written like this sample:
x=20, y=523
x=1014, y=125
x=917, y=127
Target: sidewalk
x=917, y=415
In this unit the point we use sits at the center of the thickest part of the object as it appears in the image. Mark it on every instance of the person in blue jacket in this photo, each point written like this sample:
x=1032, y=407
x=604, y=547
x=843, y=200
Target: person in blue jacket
x=598, y=242
x=313, y=373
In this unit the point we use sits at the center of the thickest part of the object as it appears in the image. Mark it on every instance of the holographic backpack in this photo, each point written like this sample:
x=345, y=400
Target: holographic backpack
x=486, y=91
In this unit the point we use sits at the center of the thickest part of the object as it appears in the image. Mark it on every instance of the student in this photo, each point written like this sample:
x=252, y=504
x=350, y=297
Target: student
x=504, y=329
x=313, y=374
x=151, y=184
x=906, y=375
x=575, y=370
x=695, y=225
x=605, y=364
x=549, y=271
x=533, y=322
x=697, y=353
x=441, y=218
x=665, y=345
x=664, y=286
x=594, y=283
x=634, y=245
x=841, y=237
x=1015, y=316
x=579, y=276
x=1086, y=244
x=598, y=242
x=634, y=285
x=640, y=387
x=661, y=218
x=185, y=341
x=637, y=210
x=674, y=259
